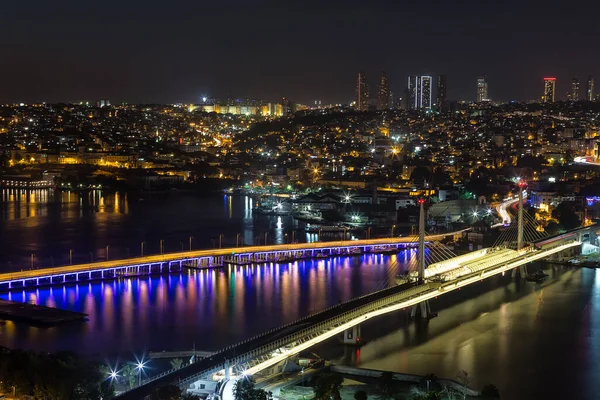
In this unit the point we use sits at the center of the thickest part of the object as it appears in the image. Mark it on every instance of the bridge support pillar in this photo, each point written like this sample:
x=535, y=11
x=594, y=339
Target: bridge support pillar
x=352, y=336
x=522, y=272
x=422, y=310
x=227, y=370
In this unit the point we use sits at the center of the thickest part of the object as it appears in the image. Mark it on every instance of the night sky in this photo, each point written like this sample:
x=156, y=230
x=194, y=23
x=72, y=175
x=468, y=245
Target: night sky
x=178, y=51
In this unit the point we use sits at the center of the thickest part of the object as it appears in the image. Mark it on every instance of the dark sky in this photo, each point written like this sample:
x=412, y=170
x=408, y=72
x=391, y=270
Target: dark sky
x=177, y=51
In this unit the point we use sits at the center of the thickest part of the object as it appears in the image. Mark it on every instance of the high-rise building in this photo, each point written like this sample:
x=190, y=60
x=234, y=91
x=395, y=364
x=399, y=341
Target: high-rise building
x=574, y=89
x=362, y=92
x=549, y=90
x=441, y=98
x=419, y=88
x=383, y=92
x=482, y=90
x=590, y=88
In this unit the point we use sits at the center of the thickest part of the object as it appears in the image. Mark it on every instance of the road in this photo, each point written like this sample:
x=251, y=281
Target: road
x=501, y=209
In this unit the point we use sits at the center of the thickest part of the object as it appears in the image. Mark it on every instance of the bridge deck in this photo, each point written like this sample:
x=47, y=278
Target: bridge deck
x=191, y=255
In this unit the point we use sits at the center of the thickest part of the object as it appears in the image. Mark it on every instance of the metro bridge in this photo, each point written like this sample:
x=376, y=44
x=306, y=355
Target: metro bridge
x=201, y=259
x=266, y=351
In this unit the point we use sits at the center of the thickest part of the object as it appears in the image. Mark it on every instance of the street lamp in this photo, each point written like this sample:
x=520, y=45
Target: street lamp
x=191, y=237
x=140, y=367
x=142, y=246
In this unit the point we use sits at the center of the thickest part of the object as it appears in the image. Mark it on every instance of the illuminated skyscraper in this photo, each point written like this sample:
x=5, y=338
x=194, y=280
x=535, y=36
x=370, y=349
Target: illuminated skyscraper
x=441, y=98
x=362, y=92
x=590, y=89
x=574, y=89
x=482, y=90
x=549, y=90
x=383, y=92
x=419, y=88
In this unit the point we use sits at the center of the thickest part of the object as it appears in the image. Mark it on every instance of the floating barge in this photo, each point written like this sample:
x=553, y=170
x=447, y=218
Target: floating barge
x=33, y=314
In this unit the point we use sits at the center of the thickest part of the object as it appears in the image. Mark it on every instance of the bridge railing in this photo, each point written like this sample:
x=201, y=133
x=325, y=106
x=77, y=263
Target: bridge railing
x=317, y=328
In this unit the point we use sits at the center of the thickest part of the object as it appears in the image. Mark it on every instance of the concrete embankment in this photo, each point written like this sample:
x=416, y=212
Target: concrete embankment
x=37, y=315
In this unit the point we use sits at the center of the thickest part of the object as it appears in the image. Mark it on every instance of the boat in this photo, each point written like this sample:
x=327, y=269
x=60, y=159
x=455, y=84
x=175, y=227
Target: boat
x=326, y=229
x=307, y=216
x=386, y=250
x=270, y=211
x=537, y=276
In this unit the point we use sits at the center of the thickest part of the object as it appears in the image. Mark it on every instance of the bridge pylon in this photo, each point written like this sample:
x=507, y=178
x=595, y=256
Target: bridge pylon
x=522, y=268
x=422, y=309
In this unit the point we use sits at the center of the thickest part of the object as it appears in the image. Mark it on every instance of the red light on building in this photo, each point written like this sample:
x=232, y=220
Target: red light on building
x=549, y=79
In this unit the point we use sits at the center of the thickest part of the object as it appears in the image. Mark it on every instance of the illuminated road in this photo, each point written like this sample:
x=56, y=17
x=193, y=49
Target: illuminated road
x=503, y=213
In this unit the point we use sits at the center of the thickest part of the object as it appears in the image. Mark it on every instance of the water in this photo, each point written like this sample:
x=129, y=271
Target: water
x=41, y=227
x=209, y=308
x=532, y=341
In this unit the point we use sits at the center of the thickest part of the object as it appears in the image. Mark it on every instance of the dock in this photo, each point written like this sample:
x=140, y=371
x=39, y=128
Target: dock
x=37, y=315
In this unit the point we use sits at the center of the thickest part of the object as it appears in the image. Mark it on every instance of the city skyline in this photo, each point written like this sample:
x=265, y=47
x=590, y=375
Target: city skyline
x=167, y=54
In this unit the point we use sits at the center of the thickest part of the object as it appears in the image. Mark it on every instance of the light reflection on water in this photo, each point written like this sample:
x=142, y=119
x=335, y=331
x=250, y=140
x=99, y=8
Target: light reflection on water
x=211, y=308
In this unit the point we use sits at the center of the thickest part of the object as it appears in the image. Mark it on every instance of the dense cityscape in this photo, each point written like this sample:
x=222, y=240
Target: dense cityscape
x=298, y=201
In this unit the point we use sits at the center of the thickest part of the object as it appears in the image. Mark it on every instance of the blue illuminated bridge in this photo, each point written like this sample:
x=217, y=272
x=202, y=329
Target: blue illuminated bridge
x=202, y=259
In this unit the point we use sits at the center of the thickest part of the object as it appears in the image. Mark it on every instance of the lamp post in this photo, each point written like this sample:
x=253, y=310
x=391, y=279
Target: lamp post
x=221, y=240
x=393, y=227
x=191, y=237
x=142, y=248
x=107, y=252
x=161, y=246
x=32, y=259
x=71, y=256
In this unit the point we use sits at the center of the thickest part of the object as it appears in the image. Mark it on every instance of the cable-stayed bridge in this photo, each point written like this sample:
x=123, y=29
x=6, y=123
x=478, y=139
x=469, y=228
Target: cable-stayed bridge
x=518, y=246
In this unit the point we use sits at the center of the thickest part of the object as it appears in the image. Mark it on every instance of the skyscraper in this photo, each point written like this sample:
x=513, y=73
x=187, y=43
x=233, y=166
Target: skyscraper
x=549, y=90
x=362, y=92
x=482, y=90
x=574, y=89
x=383, y=92
x=419, y=88
x=590, y=88
x=441, y=92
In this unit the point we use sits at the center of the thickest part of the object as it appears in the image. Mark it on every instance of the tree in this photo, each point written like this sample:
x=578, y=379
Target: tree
x=464, y=379
x=566, y=216
x=386, y=385
x=420, y=175
x=176, y=363
x=128, y=372
x=490, y=392
x=360, y=395
x=552, y=228
x=168, y=392
x=244, y=389
x=327, y=386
